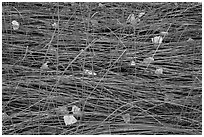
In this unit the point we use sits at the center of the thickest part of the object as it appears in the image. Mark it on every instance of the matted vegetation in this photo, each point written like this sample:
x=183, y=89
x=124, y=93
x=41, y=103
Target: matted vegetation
x=93, y=37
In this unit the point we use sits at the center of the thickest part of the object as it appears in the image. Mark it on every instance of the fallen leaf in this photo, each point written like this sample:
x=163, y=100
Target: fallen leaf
x=141, y=14
x=118, y=22
x=15, y=25
x=164, y=33
x=54, y=25
x=159, y=71
x=176, y=4
x=132, y=20
x=132, y=63
x=100, y=5
x=62, y=109
x=76, y=111
x=94, y=22
x=44, y=66
x=89, y=72
x=190, y=39
x=148, y=60
x=157, y=40
x=52, y=49
x=126, y=118
x=69, y=120
x=5, y=117
x=131, y=17
x=168, y=97
x=73, y=3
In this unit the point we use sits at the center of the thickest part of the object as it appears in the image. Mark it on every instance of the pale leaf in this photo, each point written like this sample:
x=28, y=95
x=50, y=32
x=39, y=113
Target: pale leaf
x=69, y=120
x=54, y=25
x=89, y=72
x=76, y=111
x=15, y=25
x=131, y=17
x=157, y=40
x=62, y=109
x=141, y=14
x=148, y=60
x=5, y=117
x=94, y=22
x=164, y=33
x=159, y=71
x=190, y=39
x=100, y=5
x=52, y=49
x=168, y=97
x=44, y=66
x=132, y=20
x=126, y=118
x=132, y=63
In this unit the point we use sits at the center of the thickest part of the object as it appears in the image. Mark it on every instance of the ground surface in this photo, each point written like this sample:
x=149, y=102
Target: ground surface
x=97, y=37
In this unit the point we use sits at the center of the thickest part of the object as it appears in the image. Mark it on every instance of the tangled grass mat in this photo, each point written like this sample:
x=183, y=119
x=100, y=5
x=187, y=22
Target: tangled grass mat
x=80, y=54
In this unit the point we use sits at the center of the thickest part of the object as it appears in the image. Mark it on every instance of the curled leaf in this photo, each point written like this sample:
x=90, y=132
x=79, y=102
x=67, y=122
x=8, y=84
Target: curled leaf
x=76, y=111
x=157, y=40
x=148, y=60
x=126, y=118
x=15, y=25
x=69, y=120
x=159, y=71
